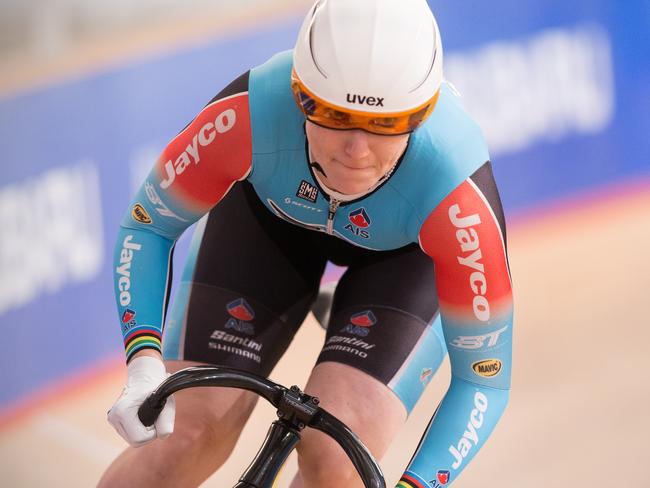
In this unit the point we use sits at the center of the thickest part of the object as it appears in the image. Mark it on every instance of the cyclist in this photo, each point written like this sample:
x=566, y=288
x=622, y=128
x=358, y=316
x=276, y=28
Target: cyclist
x=352, y=149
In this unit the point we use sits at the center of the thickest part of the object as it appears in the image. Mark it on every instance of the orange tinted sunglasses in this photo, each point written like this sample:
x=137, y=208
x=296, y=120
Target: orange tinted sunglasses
x=329, y=116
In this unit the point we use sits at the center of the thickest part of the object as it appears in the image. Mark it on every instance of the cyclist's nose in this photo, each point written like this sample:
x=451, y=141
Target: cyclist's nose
x=357, y=144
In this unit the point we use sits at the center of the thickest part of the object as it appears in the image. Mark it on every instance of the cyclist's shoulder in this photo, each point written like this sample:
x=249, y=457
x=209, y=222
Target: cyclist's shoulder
x=277, y=123
x=449, y=143
x=443, y=153
x=276, y=69
x=450, y=127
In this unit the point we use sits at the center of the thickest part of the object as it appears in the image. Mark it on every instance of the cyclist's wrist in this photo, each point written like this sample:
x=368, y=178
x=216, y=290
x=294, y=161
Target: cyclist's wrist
x=152, y=353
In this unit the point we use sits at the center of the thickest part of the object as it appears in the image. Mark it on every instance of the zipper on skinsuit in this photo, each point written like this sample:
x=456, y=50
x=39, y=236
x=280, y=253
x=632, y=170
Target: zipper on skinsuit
x=334, y=205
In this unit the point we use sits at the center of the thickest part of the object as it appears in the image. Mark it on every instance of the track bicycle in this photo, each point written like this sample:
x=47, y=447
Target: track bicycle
x=296, y=410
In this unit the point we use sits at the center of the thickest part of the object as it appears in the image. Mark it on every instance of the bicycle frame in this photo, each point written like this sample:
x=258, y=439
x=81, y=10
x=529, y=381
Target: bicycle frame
x=296, y=410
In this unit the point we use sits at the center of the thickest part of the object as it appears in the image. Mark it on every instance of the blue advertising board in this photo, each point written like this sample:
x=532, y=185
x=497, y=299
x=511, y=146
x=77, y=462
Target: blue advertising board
x=559, y=88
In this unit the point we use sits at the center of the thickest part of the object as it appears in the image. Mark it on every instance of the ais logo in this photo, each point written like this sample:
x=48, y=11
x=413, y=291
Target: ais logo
x=443, y=476
x=242, y=313
x=128, y=315
x=128, y=320
x=360, y=323
x=241, y=310
x=359, y=220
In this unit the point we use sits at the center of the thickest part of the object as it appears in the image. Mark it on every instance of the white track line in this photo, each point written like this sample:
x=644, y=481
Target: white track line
x=76, y=439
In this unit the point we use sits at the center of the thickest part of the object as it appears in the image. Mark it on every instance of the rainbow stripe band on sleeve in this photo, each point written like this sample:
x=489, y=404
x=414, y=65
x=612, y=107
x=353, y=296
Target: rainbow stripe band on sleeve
x=143, y=337
x=412, y=480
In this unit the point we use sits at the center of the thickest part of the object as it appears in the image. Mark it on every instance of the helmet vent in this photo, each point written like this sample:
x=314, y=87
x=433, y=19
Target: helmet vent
x=431, y=64
x=317, y=7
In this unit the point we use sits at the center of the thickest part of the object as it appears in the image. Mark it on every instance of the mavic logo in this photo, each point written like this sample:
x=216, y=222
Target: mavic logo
x=364, y=100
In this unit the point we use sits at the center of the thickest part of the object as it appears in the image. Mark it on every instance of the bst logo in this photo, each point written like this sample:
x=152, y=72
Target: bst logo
x=359, y=221
x=477, y=342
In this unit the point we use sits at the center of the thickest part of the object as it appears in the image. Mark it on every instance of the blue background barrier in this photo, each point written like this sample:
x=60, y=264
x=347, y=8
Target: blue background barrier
x=559, y=87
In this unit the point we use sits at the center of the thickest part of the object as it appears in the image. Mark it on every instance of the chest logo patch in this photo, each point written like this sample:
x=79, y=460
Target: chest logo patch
x=359, y=221
x=307, y=191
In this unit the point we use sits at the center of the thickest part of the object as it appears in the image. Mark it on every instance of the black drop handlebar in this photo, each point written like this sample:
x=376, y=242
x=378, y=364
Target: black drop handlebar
x=296, y=410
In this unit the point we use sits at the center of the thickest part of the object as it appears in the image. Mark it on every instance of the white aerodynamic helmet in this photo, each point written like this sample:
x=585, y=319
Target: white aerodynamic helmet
x=374, y=65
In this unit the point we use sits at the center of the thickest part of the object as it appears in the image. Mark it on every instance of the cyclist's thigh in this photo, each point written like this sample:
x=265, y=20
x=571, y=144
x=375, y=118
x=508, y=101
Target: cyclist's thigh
x=385, y=321
x=247, y=286
x=382, y=346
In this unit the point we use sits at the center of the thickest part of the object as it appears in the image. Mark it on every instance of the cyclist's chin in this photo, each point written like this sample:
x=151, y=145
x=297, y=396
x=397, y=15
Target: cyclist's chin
x=352, y=184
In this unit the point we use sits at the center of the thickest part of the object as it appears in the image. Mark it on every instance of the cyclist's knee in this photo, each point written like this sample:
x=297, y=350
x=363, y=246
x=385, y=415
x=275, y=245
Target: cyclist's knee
x=209, y=421
x=323, y=463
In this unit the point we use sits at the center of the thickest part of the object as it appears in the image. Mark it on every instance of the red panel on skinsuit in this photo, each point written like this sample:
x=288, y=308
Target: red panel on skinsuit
x=204, y=160
x=464, y=239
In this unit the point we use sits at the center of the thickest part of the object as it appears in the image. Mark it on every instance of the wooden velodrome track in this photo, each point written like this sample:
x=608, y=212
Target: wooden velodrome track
x=579, y=407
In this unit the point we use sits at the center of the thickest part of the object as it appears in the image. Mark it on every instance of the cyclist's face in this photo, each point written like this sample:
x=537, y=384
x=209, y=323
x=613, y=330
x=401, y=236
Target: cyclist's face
x=353, y=160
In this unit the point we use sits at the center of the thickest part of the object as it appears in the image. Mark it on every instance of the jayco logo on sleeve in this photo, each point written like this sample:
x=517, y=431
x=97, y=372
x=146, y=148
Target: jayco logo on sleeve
x=124, y=269
x=204, y=137
x=365, y=100
x=468, y=239
x=470, y=437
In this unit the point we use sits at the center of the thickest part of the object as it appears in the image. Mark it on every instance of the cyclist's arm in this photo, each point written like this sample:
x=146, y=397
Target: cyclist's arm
x=195, y=170
x=465, y=235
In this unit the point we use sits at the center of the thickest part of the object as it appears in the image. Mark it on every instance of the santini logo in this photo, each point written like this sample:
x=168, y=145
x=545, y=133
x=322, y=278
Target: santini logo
x=363, y=100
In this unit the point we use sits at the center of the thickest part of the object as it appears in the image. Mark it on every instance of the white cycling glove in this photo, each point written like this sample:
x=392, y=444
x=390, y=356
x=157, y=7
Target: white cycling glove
x=145, y=374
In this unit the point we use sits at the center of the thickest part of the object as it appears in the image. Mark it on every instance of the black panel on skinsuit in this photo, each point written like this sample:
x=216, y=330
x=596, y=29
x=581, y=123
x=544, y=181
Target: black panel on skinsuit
x=239, y=85
x=484, y=180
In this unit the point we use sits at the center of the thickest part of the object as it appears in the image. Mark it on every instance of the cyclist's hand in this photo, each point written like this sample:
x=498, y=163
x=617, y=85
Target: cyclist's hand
x=145, y=374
